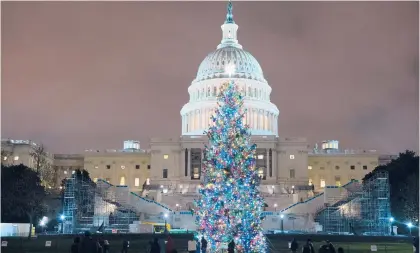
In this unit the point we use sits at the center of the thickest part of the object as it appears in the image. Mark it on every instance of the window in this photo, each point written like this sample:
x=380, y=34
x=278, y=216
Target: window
x=309, y=167
x=165, y=173
x=165, y=157
x=364, y=167
x=16, y=158
x=260, y=157
x=310, y=181
x=95, y=179
x=137, y=166
x=261, y=173
x=122, y=167
x=337, y=181
x=214, y=91
x=96, y=166
x=322, y=183
x=148, y=166
x=337, y=167
x=136, y=181
x=196, y=174
x=108, y=166
x=147, y=181
x=352, y=167
x=122, y=180
x=65, y=172
x=321, y=168
x=5, y=158
x=292, y=173
x=292, y=157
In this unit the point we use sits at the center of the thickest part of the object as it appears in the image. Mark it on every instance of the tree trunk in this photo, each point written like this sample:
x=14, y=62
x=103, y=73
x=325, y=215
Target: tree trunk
x=30, y=225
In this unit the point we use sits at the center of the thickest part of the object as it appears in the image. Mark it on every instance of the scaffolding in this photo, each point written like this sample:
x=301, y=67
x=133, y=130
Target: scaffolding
x=99, y=206
x=361, y=208
x=375, y=205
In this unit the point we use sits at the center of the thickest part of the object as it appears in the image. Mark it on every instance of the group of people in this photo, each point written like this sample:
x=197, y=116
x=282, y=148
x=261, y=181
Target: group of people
x=161, y=246
x=328, y=247
x=195, y=246
x=90, y=245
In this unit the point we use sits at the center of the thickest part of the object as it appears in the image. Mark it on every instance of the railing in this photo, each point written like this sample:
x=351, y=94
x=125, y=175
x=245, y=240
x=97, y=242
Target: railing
x=342, y=152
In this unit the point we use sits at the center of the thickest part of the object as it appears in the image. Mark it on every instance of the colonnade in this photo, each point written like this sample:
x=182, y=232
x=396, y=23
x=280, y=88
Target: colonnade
x=257, y=119
x=271, y=164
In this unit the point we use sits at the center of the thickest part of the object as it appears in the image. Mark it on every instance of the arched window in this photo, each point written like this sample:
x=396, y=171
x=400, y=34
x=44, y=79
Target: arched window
x=255, y=92
x=208, y=91
x=214, y=91
x=249, y=92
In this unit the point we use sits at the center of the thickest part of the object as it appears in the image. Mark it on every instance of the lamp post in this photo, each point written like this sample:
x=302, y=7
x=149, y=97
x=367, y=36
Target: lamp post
x=391, y=220
x=410, y=225
x=281, y=222
x=62, y=218
x=165, y=216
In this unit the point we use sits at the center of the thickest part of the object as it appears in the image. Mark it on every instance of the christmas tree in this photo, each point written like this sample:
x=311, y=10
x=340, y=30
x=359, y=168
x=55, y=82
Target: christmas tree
x=230, y=206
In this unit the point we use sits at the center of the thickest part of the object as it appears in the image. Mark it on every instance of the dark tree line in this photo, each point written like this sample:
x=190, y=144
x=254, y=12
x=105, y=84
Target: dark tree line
x=404, y=187
x=23, y=195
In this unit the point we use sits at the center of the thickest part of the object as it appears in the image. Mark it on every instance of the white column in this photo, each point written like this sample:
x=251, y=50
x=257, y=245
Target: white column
x=251, y=118
x=200, y=118
x=275, y=125
x=194, y=123
x=186, y=122
x=266, y=120
x=182, y=171
x=206, y=119
x=189, y=163
x=274, y=163
x=267, y=157
x=255, y=118
x=189, y=121
x=272, y=122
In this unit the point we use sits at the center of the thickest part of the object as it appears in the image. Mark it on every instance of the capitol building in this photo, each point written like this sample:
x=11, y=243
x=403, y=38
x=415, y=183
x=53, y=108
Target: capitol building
x=169, y=170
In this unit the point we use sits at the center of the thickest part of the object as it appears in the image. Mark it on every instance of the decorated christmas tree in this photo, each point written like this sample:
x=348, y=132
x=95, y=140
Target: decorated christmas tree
x=230, y=206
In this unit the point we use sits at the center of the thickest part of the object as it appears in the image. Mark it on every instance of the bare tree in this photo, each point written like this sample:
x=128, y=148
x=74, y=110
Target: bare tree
x=43, y=165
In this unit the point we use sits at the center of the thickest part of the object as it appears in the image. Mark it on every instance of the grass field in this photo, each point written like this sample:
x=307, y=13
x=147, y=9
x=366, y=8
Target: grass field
x=138, y=243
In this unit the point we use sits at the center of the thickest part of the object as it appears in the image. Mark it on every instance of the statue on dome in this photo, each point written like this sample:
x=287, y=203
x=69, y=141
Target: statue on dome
x=229, y=15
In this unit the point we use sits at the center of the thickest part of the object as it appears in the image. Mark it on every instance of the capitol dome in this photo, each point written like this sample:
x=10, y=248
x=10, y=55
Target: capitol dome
x=261, y=115
x=246, y=66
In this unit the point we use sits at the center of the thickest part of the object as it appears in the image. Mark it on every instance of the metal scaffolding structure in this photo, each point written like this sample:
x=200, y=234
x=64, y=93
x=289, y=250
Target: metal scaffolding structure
x=90, y=206
x=361, y=208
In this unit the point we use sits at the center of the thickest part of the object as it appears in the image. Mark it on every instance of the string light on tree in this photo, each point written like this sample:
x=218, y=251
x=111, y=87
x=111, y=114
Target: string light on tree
x=230, y=206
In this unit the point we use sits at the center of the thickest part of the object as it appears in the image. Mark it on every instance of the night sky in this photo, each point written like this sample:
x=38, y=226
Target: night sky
x=89, y=75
